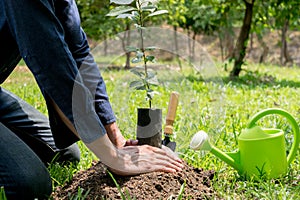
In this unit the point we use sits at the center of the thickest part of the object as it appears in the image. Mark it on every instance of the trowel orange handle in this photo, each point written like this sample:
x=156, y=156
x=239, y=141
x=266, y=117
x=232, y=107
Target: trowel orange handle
x=173, y=103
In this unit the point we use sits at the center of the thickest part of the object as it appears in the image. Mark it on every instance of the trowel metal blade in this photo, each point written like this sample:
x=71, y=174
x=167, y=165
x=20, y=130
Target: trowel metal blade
x=167, y=142
x=172, y=145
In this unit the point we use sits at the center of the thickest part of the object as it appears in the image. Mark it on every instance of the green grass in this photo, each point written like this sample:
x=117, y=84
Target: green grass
x=221, y=108
x=2, y=193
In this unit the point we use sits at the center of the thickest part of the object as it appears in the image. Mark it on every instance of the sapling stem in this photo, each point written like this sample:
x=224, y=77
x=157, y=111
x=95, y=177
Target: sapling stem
x=141, y=23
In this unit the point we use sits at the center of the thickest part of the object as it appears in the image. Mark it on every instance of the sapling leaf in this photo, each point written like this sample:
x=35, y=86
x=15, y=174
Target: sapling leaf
x=120, y=10
x=139, y=54
x=134, y=16
x=124, y=15
x=151, y=78
x=122, y=2
x=143, y=3
x=153, y=81
x=150, y=58
x=136, y=84
x=150, y=1
x=159, y=12
x=137, y=5
x=138, y=72
x=149, y=9
x=141, y=88
x=150, y=48
x=150, y=74
x=131, y=49
x=136, y=60
x=149, y=96
x=155, y=93
x=151, y=93
x=139, y=27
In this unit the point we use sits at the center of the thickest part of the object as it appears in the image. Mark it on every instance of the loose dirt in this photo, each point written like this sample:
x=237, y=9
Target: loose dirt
x=98, y=184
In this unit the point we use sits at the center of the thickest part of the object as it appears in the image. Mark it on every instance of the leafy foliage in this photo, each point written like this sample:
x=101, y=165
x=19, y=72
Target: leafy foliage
x=196, y=17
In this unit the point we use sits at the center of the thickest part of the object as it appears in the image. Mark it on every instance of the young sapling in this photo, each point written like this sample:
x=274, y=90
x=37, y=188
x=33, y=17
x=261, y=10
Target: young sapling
x=140, y=11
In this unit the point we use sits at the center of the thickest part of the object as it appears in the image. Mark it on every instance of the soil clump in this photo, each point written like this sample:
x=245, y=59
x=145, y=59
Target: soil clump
x=98, y=184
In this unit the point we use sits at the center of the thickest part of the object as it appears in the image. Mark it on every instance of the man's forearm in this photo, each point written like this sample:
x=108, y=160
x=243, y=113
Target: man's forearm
x=104, y=150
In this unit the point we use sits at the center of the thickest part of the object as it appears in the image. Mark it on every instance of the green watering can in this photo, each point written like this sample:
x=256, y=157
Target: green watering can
x=262, y=151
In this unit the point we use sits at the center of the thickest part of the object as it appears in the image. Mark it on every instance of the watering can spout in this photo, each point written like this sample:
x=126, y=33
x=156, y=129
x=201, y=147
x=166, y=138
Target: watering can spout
x=200, y=141
x=231, y=158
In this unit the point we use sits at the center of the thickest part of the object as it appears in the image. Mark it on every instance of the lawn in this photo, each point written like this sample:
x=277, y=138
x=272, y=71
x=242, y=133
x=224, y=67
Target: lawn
x=218, y=105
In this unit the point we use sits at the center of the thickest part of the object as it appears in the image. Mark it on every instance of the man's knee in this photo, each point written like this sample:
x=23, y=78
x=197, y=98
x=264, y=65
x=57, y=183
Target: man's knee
x=30, y=184
x=69, y=154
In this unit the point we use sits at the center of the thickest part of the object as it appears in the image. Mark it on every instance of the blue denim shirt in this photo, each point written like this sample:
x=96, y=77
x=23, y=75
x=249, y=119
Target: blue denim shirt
x=48, y=36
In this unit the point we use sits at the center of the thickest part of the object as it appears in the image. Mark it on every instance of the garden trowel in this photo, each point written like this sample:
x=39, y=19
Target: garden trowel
x=171, y=114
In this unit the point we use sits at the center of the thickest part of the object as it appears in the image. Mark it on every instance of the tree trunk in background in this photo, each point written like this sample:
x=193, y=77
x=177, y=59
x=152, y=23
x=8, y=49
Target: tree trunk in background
x=226, y=37
x=284, y=54
x=229, y=43
x=127, y=38
x=105, y=46
x=176, y=47
x=190, y=45
x=241, y=45
x=193, y=45
x=221, y=45
x=251, y=43
x=265, y=48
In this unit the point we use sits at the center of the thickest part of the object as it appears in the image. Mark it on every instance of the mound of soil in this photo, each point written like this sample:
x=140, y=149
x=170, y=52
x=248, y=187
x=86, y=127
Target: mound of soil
x=156, y=185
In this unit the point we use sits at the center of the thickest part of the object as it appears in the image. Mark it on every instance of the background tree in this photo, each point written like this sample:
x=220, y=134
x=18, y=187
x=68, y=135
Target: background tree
x=176, y=16
x=242, y=41
x=286, y=16
x=261, y=26
x=219, y=18
x=201, y=18
x=94, y=22
x=231, y=19
x=100, y=27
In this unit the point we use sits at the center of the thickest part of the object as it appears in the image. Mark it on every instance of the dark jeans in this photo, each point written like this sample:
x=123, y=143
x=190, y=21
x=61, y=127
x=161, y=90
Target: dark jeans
x=22, y=173
x=26, y=146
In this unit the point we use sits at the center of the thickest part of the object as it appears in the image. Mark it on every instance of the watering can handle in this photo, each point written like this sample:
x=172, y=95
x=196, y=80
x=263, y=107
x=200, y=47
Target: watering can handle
x=291, y=120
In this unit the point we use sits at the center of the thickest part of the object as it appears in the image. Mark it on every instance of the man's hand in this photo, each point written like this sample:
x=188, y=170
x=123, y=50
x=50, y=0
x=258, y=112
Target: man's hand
x=116, y=136
x=132, y=160
x=143, y=159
